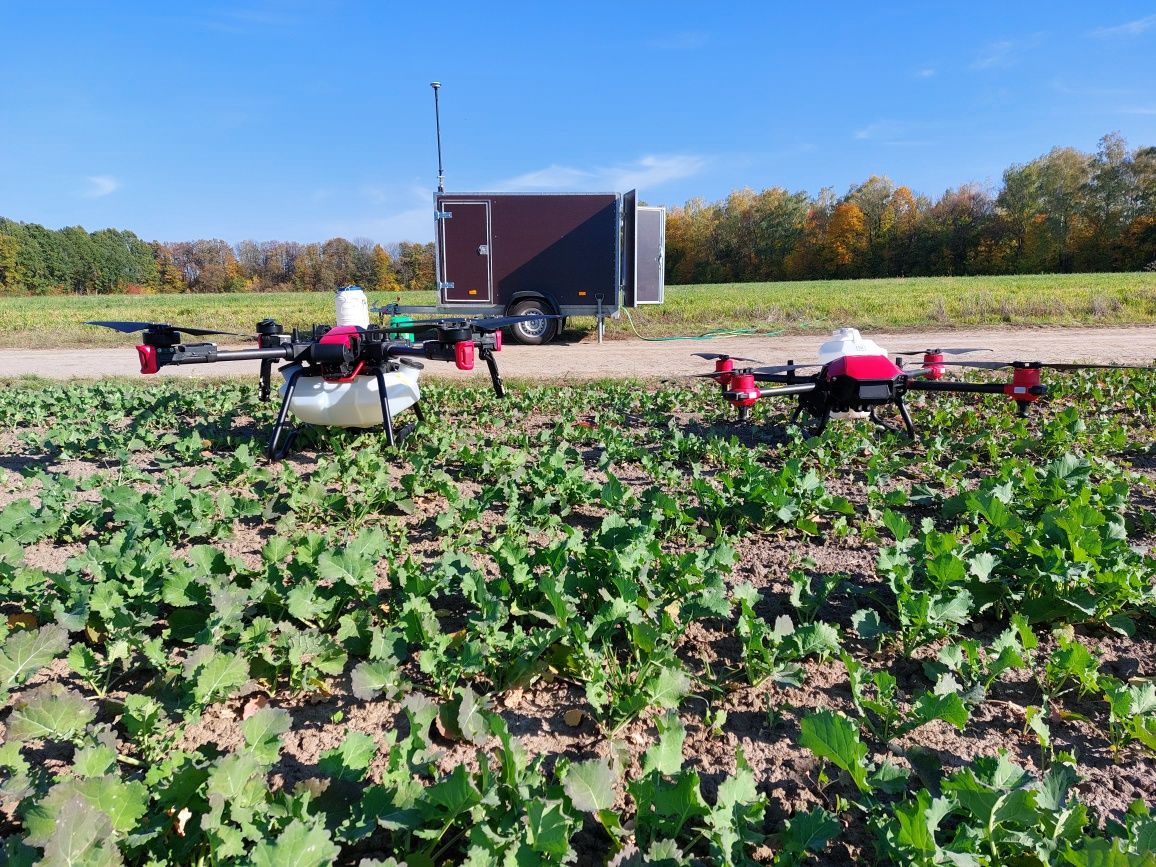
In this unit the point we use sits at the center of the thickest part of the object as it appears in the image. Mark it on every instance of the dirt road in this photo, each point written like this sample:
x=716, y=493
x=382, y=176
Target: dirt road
x=636, y=358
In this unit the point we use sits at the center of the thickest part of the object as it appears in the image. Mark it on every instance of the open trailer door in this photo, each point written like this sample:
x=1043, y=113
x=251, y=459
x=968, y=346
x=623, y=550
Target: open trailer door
x=650, y=256
x=627, y=255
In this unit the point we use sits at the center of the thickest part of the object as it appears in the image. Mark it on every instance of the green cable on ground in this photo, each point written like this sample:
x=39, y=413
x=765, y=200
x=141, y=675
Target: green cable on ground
x=709, y=335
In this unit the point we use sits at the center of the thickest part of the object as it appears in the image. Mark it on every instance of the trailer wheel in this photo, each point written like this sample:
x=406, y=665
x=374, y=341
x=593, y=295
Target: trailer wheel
x=533, y=333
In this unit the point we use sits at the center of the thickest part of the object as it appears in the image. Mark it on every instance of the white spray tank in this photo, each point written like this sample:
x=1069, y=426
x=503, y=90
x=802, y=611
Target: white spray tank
x=351, y=404
x=352, y=306
x=848, y=341
x=356, y=403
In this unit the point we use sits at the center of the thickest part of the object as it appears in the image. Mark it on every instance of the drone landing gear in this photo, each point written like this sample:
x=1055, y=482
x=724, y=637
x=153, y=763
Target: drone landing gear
x=903, y=414
x=818, y=419
x=273, y=452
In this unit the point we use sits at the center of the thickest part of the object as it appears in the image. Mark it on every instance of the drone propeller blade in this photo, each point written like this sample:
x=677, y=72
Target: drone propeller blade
x=784, y=368
x=1054, y=365
x=955, y=351
x=1063, y=365
x=983, y=365
x=130, y=327
x=718, y=356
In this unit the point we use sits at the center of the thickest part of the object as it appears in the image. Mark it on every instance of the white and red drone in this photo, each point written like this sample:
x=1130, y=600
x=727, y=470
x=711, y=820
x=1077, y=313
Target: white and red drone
x=856, y=376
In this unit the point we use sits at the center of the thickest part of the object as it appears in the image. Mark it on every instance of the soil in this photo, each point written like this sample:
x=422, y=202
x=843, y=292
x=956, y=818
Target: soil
x=585, y=359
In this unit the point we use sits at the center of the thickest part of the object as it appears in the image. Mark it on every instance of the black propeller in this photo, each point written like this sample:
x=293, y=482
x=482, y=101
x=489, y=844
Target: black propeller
x=956, y=351
x=1054, y=365
x=130, y=327
x=716, y=356
x=785, y=368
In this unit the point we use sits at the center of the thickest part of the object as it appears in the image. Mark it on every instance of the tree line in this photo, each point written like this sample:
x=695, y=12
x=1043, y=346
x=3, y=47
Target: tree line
x=39, y=261
x=1066, y=211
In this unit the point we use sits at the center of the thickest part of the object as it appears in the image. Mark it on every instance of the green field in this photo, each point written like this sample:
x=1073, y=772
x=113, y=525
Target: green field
x=818, y=305
x=529, y=637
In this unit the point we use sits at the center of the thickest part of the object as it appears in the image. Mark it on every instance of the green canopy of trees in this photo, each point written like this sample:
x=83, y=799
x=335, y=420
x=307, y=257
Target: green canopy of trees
x=1066, y=211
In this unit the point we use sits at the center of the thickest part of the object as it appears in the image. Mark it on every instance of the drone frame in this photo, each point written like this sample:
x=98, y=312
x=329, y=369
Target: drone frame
x=337, y=354
x=860, y=383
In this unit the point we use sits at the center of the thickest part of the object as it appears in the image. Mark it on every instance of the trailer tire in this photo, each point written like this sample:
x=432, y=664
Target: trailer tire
x=533, y=333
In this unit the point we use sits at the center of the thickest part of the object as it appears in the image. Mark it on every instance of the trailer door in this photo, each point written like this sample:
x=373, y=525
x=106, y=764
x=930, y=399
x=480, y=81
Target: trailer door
x=464, y=240
x=650, y=267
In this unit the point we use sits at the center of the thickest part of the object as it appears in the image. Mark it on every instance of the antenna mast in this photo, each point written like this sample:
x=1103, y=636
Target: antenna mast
x=438, y=121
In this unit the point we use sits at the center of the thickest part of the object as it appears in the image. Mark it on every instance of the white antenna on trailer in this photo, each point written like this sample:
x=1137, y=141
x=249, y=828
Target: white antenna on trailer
x=438, y=121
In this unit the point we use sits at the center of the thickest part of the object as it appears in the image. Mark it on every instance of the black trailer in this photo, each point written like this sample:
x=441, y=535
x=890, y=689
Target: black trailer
x=571, y=254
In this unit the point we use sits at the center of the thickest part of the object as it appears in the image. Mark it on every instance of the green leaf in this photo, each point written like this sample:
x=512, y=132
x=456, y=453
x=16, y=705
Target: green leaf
x=81, y=835
x=665, y=757
x=899, y=526
x=219, y=677
x=372, y=678
x=590, y=785
x=299, y=845
x=669, y=688
x=835, y=738
x=949, y=708
x=26, y=651
x=471, y=718
x=867, y=624
x=809, y=832
x=549, y=827
x=263, y=732
x=351, y=760
x=49, y=711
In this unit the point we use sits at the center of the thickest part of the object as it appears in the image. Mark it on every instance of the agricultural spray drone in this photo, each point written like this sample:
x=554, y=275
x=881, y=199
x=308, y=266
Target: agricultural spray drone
x=856, y=376
x=343, y=376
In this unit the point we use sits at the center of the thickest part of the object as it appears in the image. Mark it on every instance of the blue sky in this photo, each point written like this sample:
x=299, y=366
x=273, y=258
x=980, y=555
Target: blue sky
x=308, y=120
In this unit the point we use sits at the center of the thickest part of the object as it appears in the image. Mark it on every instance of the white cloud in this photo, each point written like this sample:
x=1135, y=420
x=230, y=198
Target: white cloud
x=1130, y=28
x=926, y=72
x=100, y=185
x=893, y=133
x=649, y=171
x=994, y=54
x=1005, y=52
x=1139, y=109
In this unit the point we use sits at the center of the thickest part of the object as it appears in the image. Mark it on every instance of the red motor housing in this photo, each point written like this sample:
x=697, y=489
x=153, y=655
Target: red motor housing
x=933, y=364
x=148, y=358
x=742, y=386
x=723, y=367
x=1025, y=385
x=464, y=354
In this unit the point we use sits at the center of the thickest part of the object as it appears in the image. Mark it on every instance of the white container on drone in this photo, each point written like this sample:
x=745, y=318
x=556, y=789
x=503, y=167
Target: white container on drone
x=352, y=306
x=350, y=404
x=848, y=341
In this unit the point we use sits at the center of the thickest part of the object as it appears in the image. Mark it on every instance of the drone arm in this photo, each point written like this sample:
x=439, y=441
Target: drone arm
x=152, y=358
x=781, y=391
x=1024, y=389
x=962, y=387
